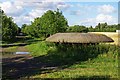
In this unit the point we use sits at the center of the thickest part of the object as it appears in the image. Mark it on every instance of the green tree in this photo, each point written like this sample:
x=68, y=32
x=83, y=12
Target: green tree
x=9, y=28
x=49, y=23
x=118, y=27
x=91, y=29
x=104, y=27
x=24, y=29
x=77, y=28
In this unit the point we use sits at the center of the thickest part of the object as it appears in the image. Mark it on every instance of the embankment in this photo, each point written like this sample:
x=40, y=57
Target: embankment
x=114, y=35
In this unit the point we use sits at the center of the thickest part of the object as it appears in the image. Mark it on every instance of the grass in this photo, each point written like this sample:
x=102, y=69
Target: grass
x=38, y=49
x=101, y=61
x=20, y=41
x=10, y=49
x=90, y=61
x=100, y=66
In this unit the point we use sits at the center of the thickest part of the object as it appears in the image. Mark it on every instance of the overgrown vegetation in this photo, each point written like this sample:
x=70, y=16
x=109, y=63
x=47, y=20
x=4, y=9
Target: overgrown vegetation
x=85, y=51
x=38, y=49
x=67, y=61
x=78, y=61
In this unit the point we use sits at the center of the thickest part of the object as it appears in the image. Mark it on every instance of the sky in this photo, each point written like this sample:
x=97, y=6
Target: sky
x=88, y=13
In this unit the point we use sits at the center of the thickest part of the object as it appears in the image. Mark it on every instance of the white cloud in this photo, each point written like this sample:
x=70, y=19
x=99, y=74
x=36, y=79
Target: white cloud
x=105, y=18
x=36, y=13
x=35, y=8
x=11, y=9
x=43, y=4
x=76, y=12
x=42, y=0
x=106, y=9
x=26, y=19
x=63, y=6
x=21, y=19
x=83, y=9
x=25, y=11
x=85, y=6
x=88, y=22
x=100, y=18
x=43, y=7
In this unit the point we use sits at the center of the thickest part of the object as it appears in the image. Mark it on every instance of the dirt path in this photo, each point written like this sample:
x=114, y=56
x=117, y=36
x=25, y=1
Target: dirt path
x=16, y=58
x=15, y=66
x=22, y=49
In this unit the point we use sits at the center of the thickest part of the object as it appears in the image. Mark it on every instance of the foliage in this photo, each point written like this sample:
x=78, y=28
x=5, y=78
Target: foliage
x=38, y=49
x=75, y=61
x=49, y=23
x=24, y=28
x=91, y=29
x=103, y=27
x=77, y=28
x=9, y=28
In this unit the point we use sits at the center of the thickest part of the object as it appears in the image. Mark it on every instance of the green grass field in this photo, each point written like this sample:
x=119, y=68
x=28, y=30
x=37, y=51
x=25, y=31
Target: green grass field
x=66, y=61
x=70, y=64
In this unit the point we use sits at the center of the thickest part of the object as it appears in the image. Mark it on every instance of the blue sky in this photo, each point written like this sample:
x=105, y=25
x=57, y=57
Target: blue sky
x=77, y=13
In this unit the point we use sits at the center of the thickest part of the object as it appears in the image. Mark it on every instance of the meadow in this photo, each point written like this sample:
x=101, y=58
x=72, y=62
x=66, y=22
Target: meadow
x=52, y=60
x=91, y=61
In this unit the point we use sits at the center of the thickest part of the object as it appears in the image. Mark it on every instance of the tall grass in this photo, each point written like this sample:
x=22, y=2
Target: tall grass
x=39, y=48
x=70, y=60
x=75, y=61
x=80, y=61
x=69, y=53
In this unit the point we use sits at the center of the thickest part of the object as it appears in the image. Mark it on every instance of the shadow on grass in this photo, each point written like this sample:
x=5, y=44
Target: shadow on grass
x=20, y=42
x=107, y=77
x=61, y=58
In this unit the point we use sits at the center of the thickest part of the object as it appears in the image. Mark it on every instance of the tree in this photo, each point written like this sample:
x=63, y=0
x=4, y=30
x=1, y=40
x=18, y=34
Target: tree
x=118, y=27
x=91, y=29
x=77, y=28
x=61, y=22
x=9, y=28
x=49, y=23
x=24, y=29
x=104, y=27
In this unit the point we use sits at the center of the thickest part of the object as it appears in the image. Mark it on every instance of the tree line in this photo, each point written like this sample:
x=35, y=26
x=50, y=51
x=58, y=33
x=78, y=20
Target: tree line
x=49, y=23
x=9, y=29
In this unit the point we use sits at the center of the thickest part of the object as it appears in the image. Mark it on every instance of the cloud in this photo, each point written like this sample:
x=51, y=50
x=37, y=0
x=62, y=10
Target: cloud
x=25, y=11
x=106, y=9
x=88, y=22
x=22, y=19
x=100, y=18
x=11, y=9
x=85, y=6
x=27, y=18
x=105, y=18
x=83, y=9
x=76, y=12
x=36, y=13
x=105, y=15
x=39, y=3
x=63, y=6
